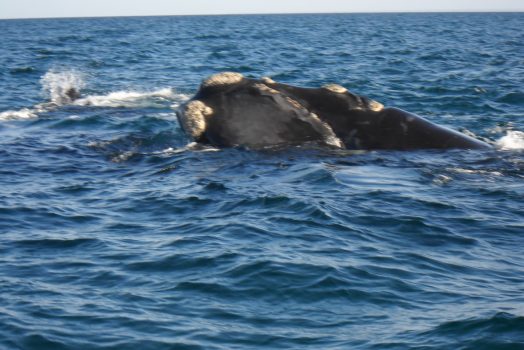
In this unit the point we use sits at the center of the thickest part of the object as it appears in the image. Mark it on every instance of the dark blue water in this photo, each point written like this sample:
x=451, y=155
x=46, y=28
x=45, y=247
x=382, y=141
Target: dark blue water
x=115, y=233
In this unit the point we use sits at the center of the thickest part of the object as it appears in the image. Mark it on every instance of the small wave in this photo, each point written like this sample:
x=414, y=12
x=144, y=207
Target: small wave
x=502, y=330
x=56, y=243
x=511, y=141
x=22, y=70
x=516, y=98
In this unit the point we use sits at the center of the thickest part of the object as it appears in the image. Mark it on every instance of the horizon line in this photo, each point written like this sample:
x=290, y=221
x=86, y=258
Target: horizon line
x=271, y=14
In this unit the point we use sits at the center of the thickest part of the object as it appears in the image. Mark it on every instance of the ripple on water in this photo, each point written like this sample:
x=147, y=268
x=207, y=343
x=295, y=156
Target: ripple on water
x=487, y=332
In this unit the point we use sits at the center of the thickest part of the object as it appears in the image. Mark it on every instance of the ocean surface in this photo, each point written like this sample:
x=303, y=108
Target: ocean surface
x=117, y=232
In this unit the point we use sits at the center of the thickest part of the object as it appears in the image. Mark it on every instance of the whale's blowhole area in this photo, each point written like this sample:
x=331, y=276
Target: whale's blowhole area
x=224, y=78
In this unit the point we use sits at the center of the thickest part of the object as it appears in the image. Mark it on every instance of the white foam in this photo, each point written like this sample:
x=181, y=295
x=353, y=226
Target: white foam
x=133, y=99
x=122, y=157
x=167, y=152
x=192, y=146
x=475, y=171
x=511, y=141
x=24, y=113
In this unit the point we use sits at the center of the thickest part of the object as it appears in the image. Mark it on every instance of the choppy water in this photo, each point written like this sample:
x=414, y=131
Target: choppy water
x=115, y=233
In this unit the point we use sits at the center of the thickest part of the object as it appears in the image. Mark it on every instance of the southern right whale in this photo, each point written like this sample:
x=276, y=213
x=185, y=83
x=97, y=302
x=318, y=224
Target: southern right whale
x=230, y=110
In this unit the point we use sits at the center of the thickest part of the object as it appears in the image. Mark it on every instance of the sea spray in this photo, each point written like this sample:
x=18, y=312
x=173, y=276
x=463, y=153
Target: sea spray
x=57, y=85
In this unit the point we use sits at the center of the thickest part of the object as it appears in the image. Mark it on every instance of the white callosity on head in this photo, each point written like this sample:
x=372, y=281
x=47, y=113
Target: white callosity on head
x=329, y=135
x=224, y=78
x=194, y=116
x=295, y=103
x=339, y=89
x=268, y=80
x=264, y=88
x=375, y=106
x=318, y=124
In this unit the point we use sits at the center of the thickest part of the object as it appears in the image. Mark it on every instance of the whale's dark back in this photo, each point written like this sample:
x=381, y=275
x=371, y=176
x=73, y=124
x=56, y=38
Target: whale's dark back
x=262, y=113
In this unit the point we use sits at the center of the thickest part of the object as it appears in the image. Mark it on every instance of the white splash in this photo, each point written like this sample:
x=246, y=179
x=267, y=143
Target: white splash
x=59, y=85
x=511, y=141
x=64, y=88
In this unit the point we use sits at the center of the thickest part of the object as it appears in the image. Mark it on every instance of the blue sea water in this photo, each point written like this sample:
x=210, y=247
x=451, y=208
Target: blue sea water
x=116, y=232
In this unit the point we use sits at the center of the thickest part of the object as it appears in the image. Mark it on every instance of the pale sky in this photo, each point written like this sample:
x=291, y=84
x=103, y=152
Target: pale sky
x=93, y=8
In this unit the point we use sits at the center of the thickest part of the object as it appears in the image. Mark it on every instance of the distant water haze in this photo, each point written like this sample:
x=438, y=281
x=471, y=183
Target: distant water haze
x=99, y=8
